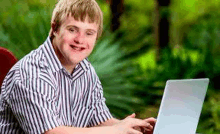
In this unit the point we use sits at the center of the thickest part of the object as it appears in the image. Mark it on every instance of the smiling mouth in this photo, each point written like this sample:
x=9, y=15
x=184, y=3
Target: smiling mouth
x=77, y=48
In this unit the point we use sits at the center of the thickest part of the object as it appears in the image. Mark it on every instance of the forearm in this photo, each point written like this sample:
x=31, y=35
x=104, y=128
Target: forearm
x=71, y=130
x=99, y=129
x=109, y=122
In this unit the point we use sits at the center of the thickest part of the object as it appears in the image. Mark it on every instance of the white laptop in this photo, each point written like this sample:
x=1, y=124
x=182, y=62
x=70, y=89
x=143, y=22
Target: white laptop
x=181, y=106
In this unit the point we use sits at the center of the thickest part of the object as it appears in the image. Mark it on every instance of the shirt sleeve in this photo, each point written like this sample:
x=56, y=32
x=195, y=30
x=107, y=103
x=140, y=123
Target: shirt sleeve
x=34, y=106
x=101, y=111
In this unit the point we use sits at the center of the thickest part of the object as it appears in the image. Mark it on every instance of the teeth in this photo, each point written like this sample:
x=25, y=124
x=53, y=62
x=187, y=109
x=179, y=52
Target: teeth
x=76, y=48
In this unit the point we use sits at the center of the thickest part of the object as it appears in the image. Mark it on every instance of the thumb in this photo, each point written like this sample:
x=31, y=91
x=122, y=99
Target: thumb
x=131, y=116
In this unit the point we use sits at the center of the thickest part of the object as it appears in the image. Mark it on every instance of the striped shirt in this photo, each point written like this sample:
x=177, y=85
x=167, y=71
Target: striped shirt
x=38, y=94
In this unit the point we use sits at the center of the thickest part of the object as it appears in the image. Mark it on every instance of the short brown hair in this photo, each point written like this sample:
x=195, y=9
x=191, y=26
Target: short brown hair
x=79, y=9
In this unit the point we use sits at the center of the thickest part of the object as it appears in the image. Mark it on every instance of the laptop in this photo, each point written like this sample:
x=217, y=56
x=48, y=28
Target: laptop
x=181, y=106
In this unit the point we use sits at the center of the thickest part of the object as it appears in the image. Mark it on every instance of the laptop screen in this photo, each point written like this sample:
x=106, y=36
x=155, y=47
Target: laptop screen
x=181, y=106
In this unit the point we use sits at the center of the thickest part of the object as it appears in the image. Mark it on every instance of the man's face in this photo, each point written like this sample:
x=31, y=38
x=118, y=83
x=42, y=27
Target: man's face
x=74, y=41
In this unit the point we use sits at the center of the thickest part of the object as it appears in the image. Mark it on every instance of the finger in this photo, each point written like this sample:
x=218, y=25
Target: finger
x=146, y=129
x=151, y=120
x=149, y=127
x=131, y=116
x=133, y=131
x=139, y=123
x=138, y=128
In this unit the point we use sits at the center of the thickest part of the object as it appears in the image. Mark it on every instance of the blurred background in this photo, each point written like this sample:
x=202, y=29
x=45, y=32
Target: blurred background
x=144, y=43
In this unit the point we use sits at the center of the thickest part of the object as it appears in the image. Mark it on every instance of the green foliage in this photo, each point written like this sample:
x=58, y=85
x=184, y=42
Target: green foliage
x=184, y=13
x=23, y=28
x=136, y=28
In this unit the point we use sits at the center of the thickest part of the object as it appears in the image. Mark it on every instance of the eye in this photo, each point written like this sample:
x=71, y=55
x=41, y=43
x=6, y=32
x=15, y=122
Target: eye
x=89, y=33
x=71, y=29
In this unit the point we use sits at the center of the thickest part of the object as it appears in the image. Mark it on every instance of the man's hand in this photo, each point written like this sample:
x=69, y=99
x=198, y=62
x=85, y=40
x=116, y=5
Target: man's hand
x=145, y=130
x=152, y=121
x=131, y=125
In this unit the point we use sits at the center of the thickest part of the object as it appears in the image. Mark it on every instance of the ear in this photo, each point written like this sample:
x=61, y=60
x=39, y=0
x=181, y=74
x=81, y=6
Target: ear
x=54, y=28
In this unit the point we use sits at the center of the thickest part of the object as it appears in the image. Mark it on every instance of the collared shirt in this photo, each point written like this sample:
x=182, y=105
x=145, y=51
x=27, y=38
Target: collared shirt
x=38, y=94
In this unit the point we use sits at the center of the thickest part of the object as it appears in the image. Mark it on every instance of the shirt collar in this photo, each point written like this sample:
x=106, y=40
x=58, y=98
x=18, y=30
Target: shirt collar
x=51, y=57
x=53, y=60
x=85, y=64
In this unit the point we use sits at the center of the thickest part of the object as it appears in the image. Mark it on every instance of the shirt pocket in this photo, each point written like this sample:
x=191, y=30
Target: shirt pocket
x=82, y=116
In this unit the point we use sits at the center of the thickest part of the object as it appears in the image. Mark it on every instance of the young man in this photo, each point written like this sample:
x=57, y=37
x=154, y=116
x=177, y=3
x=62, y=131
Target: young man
x=54, y=89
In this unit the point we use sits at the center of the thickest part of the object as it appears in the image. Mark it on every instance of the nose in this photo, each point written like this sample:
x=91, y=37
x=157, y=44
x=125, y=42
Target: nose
x=79, y=38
